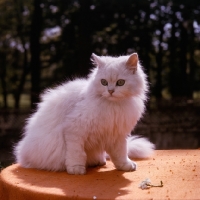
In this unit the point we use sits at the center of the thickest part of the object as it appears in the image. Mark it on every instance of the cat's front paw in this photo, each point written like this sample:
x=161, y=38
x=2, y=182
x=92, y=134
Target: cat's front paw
x=76, y=169
x=127, y=166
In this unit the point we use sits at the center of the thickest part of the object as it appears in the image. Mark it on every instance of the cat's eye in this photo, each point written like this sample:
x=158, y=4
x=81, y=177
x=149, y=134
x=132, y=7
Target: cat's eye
x=120, y=82
x=104, y=82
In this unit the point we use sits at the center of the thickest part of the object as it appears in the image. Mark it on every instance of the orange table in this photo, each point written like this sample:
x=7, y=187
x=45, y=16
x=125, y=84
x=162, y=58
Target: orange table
x=178, y=169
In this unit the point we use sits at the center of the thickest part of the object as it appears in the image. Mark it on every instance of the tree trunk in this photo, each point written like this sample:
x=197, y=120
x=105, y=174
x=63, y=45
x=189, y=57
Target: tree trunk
x=84, y=41
x=20, y=27
x=158, y=87
x=173, y=78
x=183, y=61
x=3, y=78
x=35, y=64
x=22, y=79
x=192, y=63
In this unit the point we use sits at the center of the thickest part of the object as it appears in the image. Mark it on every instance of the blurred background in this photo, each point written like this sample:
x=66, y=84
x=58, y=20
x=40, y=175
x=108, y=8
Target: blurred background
x=44, y=43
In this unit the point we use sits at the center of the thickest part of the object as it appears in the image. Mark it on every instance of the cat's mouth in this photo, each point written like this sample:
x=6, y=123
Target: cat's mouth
x=112, y=97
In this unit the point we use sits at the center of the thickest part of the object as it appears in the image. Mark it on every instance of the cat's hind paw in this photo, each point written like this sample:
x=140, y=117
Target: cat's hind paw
x=76, y=170
x=128, y=166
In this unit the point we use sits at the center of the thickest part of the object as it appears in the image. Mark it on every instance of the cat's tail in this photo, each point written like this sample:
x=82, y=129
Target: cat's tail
x=139, y=147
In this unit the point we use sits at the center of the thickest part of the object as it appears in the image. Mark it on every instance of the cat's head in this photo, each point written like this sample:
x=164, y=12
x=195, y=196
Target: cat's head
x=117, y=78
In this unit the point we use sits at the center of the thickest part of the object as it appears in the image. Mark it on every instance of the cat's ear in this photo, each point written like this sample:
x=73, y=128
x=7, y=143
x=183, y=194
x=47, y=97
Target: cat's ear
x=97, y=61
x=132, y=62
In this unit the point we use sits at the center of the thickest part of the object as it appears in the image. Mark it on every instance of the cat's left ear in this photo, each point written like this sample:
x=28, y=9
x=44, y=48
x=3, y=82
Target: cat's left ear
x=132, y=62
x=97, y=60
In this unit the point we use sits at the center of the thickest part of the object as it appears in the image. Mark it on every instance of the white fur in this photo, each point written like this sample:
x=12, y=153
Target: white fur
x=77, y=122
x=139, y=147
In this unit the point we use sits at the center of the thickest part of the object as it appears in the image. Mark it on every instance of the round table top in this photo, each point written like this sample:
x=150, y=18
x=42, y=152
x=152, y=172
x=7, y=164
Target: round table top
x=177, y=169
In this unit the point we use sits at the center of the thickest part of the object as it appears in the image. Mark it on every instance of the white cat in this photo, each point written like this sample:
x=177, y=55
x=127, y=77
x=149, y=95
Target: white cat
x=77, y=123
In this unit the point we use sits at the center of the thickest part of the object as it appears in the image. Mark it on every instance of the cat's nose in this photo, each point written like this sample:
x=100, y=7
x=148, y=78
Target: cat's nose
x=111, y=91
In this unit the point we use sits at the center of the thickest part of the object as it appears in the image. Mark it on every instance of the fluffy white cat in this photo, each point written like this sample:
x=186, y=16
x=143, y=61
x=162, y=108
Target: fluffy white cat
x=77, y=123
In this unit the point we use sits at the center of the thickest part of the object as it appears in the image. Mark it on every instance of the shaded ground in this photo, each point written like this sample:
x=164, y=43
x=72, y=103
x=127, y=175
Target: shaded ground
x=169, y=126
x=11, y=125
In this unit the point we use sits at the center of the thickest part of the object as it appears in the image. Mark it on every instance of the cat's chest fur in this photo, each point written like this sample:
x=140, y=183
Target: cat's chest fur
x=100, y=117
x=102, y=122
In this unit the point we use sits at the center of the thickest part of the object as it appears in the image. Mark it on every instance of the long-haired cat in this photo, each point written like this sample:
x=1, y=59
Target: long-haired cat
x=77, y=123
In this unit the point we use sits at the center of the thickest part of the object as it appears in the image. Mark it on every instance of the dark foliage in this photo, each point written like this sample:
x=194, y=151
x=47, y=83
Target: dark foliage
x=47, y=42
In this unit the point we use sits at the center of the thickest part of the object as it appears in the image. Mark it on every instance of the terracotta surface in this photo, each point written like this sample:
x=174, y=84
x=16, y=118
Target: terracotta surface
x=178, y=169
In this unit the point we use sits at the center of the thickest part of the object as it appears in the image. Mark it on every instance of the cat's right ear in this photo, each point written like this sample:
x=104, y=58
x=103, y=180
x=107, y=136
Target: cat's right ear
x=132, y=62
x=97, y=61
